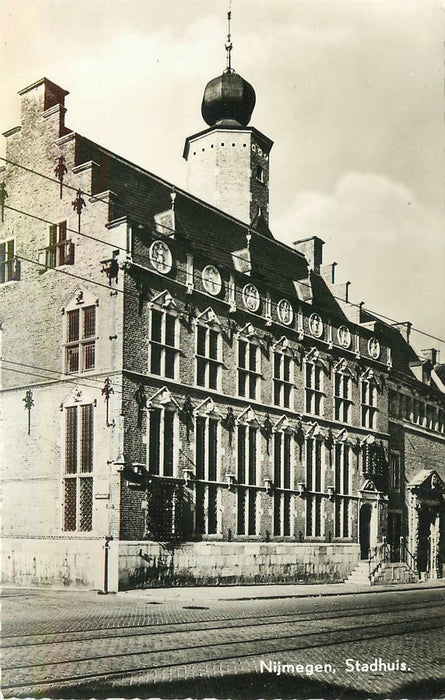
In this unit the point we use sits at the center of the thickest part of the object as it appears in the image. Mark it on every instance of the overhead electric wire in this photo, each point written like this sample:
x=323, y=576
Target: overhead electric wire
x=65, y=377
x=218, y=248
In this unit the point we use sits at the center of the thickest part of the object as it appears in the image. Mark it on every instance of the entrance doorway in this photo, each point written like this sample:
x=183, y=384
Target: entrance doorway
x=365, y=530
x=394, y=534
x=424, y=544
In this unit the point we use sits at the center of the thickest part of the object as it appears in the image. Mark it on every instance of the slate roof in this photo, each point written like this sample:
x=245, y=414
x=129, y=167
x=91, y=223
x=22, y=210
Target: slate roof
x=141, y=195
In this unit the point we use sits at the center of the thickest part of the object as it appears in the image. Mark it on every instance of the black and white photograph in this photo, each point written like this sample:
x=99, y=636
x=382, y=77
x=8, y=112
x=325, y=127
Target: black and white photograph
x=222, y=349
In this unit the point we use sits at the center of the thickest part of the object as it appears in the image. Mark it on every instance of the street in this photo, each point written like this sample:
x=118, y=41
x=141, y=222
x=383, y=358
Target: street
x=146, y=644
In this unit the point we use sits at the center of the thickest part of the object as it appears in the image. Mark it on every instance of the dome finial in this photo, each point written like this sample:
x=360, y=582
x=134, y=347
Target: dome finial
x=229, y=45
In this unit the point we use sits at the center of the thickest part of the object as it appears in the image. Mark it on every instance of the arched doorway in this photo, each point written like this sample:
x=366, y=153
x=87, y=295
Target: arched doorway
x=424, y=542
x=365, y=530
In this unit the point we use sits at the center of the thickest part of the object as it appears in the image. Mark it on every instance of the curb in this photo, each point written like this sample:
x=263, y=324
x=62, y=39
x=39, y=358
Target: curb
x=361, y=591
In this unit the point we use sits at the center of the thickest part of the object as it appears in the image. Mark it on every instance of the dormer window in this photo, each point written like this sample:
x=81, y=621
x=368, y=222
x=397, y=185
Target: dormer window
x=60, y=251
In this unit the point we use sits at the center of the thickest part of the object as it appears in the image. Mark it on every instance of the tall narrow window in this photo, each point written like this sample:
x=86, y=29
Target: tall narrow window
x=78, y=480
x=208, y=364
x=342, y=489
x=161, y=442
x=314, y=482
x=9, y=265
x=283, y=481
x=249, y=371
x=394, y=470
x=60, y=251
x=369, y=409
x=282, y=379
x=80, y=346
x=247, y=476
x=314, y=389
x=342, y=397
x=163, y=344
x=206, y=490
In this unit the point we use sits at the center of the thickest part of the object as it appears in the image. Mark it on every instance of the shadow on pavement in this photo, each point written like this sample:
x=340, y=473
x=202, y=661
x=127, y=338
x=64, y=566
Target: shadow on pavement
x=251, y=686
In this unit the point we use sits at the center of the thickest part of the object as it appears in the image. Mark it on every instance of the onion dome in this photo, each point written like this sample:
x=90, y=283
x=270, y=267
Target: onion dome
x=228, y=100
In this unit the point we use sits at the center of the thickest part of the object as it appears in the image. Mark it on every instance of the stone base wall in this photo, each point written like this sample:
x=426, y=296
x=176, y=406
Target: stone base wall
x=58, y=563
x=395, y=573
x=149, y=564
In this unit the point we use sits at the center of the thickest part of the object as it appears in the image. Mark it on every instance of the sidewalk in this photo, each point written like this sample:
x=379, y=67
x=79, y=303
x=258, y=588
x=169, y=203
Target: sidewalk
x=199, y=594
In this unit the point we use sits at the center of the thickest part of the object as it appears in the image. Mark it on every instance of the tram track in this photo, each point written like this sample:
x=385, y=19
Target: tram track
x=211, y=650
x=154, y=627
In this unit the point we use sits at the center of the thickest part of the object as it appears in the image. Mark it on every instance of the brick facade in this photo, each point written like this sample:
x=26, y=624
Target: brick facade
x=197, y=386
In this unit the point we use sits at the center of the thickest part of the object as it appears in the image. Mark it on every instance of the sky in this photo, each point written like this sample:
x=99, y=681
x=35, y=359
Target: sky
x=350, y=91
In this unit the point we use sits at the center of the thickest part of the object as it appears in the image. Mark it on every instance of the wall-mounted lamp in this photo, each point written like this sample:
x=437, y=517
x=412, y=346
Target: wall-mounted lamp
x=331, y=493
x=301, y=489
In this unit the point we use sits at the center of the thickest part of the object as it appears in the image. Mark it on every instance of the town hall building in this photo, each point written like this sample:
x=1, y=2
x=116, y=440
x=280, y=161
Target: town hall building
x=185, y=398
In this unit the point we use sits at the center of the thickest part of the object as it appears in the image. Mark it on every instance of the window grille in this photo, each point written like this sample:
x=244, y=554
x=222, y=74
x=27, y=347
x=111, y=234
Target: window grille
x=80, y=348
x=78, y=482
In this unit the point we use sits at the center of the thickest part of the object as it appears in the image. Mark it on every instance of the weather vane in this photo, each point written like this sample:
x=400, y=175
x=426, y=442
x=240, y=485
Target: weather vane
x=229, y=45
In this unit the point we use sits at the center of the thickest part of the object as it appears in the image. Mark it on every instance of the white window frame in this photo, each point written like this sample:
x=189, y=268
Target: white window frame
x=78, y=475
x=162, y=345
x=279, y=384
x=161, y=450
x=206, y=482
x=313, y=395
x=283, y=493
x=80, y=304
x=368, y=403
x=206, y=359
x=314, y=493
x=252, y=375
x=246, y=488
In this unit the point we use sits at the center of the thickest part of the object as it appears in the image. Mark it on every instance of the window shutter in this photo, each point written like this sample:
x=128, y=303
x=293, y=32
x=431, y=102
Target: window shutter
x=62, y=231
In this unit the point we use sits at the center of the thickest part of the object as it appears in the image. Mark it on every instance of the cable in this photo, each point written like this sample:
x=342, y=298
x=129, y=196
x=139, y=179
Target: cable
x=77, y=382
x=53, y=371
x=234, y=255
x=71, y=230
x=51, y=179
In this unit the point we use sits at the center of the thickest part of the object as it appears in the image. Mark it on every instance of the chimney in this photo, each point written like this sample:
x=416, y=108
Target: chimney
x=404, y=329
x=431, y=354
x=312, y=249
x=44, y=98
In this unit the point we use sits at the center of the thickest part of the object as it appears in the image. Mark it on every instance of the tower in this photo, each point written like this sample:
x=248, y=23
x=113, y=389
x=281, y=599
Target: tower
x=228, y=163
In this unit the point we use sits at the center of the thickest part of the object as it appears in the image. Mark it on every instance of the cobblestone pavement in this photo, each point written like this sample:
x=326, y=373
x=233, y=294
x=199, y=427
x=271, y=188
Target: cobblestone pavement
x=82, y=645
